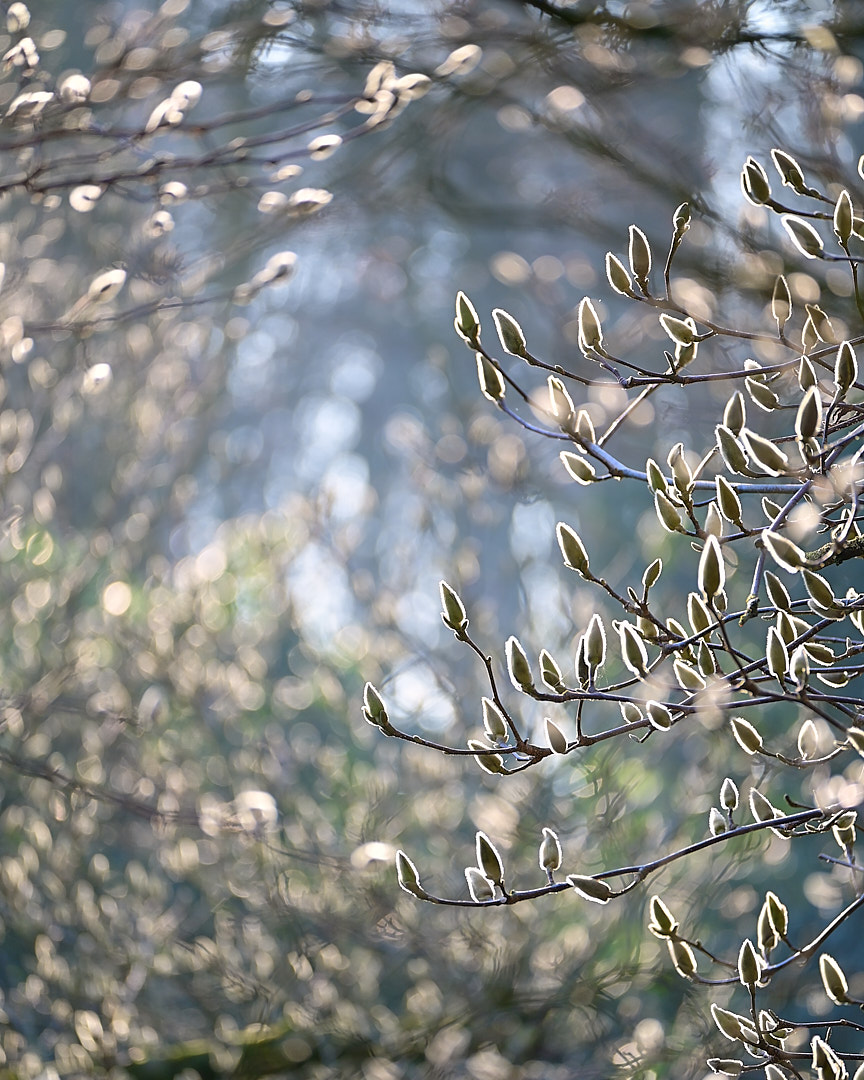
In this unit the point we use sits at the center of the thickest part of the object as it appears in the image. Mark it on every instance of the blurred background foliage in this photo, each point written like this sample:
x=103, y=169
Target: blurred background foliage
x=225, y=507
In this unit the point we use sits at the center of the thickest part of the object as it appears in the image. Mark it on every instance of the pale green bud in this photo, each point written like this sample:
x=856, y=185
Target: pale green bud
x=778, y=914
x=479, y=886
x=843, y=217
x=682, y=956
x=681, y=220
x=833, y=979
x=517, y=666
x=747, y=737
x=453, y=610
x=466, y=322
x=595, y=642
x=579, y=468
x=509, y=333
x=682, y=475
x=761, y=395
x=667, y=513
x=821, y=324
x=749, y=964
x=590, y=888
x=777, y=592
x=640, y=256
x=557, y=738
x=584, y=427
x=730, y=450
x=783, y=551
x=730, y=1024
x=658, y=715
x=712, y=570
x=572, y=548
x=661, y=922
x=618, y=277
x=374, y=712
x=761, y=808
x=590, y=331
x=776, y=654
x=560, y=402
x=806, y=373
x=493, y=720
x=713, y=521
x=729, y=795
x=707, y=662
x=826, y=1063
x=550, y=851
x=656, y=479
x=652, y=574
x=845, y=369
x=844, y=830
x=490, y=378
x=728, y=500
x=550, y=672
x=754, y=183
x=716, y=822
x=799, y=667
x=688, y=677
x=633, y=651
x=489, y=861
x=486, y=757
x=735, y=412
x=781, y=302
x=790, y=171
x=818, y=588
x=681, y=331
x=409, y=879
x=802, y=234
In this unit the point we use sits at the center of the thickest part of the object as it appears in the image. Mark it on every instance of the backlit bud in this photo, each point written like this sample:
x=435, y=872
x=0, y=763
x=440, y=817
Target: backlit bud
x=572, y=548
x=509, y=333
x=618, y=277
x=479, y=886
x=489, y=861
x=754, y=183
x=517, y=665
x=453, y=610
x=712, y=570
x=590, y=331
x=493, y=720
x=550, y=851
x=729, y=795
x=802, y=234
x=409, y=879
x=747, y=737
x=640, y=256
x=833, y=979
x=661, y=922
x=790, y=171
x=590, y=888
x=557, y=738
x=683, y=957
x=783, y=551
x=466, y=322
x=781, y=302
x=749, y=964
x=490, y=378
